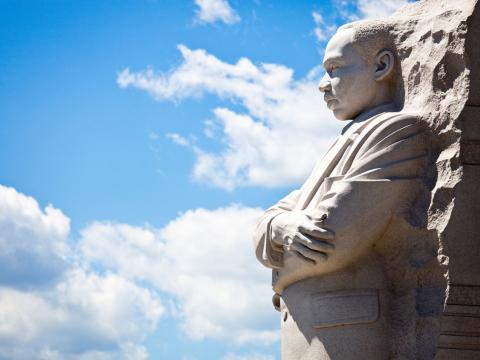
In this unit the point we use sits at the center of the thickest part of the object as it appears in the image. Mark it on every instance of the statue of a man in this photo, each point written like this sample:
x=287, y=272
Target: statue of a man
x=324, y=240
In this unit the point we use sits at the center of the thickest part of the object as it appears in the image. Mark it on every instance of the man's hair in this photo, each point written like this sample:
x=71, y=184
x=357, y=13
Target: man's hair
x=371, y=36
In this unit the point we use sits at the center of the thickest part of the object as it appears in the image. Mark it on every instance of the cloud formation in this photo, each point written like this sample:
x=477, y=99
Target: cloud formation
x=210, y=11
x=377, y=9
x=323, y=30
x=284, y=125
x=107, y=295
x=352, y=10
x=33, y=243
x=205, y=259
x=84, y=313
x=178, y=139
x=252, y=356
x=52, y=305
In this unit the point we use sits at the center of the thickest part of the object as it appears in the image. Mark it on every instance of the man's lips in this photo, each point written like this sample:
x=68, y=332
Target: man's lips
x=328, y=97
x=330, y=101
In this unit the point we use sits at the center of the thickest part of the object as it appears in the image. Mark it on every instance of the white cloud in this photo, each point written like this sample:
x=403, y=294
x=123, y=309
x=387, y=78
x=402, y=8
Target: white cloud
x=33, y=243
x=133, y=251
x=210, y=11
x=363, y=9
x=284, y=129
x=85, y=316
x=53, y=308
x=178, y=139
x=323, y=30
x=126, y=351
x=253, y=356
x=225, y=293
x=368, y=9
x=376, y=9
x=110, y=305
x=206, y=259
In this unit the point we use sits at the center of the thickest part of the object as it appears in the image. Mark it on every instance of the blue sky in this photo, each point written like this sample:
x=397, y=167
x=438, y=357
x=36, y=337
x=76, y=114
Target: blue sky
x=140, y=140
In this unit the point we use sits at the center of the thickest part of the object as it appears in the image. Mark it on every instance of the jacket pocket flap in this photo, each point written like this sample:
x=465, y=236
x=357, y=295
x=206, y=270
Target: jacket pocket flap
x=345, y=307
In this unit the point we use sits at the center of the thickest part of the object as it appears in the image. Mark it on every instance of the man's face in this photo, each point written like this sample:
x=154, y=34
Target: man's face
x=349, y=85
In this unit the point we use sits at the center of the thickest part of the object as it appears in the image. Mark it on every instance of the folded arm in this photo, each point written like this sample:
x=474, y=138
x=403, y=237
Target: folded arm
x=382, y=180
x=267, y=252
x=359, y=206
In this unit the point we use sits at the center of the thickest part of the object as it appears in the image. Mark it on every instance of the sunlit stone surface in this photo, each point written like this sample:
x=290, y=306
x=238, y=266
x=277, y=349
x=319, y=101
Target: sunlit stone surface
x=377, y=255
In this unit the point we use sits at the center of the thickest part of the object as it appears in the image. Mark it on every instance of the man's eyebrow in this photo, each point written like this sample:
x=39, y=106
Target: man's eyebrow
x=336, y=59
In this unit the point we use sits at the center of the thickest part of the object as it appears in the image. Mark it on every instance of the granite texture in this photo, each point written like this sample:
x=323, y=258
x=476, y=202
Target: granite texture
x=377, y=255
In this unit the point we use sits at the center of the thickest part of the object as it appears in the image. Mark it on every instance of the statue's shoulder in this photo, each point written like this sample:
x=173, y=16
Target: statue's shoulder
x=398, y=117
x=392, y=121
x=389, y=127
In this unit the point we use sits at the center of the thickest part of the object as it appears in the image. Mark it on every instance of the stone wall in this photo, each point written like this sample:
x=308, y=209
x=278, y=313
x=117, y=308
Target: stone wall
x=438, y=43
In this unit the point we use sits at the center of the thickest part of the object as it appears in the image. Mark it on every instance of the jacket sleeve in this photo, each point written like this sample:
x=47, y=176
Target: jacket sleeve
x=266, y=251
x=382, y=179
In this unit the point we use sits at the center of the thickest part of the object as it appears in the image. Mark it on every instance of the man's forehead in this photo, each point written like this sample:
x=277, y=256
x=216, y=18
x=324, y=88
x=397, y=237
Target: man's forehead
x=340, y=45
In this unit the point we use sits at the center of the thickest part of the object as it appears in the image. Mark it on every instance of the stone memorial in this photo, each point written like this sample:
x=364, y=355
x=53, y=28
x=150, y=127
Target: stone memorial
x=377, y=255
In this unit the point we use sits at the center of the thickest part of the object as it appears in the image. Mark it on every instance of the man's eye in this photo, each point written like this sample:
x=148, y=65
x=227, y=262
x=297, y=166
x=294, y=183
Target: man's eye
x=334, y=67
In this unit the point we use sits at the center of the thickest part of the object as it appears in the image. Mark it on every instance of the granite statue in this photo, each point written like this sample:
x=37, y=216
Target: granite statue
x=359, y=265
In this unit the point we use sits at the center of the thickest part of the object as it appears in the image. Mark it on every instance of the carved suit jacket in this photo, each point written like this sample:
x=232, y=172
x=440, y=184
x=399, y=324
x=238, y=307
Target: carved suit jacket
x=369, y=174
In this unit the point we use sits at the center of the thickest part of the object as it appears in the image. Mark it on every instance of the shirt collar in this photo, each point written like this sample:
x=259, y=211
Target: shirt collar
x=377, y=110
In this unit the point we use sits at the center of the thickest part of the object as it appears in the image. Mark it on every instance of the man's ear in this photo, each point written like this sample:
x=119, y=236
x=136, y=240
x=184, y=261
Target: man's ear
x=384, y=62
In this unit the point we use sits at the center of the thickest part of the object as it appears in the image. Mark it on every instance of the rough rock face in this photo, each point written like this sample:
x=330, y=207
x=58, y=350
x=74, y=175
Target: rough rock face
x=403, y=281
x=435, y=277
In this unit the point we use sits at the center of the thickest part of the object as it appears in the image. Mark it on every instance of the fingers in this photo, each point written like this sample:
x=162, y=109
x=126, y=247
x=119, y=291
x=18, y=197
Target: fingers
x=314, y=244
x=309, y=255
x=316, y=232
x=311, y=250
x=317, y=217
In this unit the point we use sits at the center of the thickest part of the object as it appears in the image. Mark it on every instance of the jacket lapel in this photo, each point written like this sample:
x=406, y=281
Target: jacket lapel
x=325, y=166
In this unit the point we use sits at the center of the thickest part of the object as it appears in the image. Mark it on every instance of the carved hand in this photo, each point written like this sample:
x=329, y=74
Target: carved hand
x=299, y=232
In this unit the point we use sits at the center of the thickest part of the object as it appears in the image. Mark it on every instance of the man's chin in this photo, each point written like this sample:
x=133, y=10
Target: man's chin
x=341, y=115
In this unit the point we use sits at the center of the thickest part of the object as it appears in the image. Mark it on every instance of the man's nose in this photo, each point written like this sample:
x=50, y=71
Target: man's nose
x=324, y=84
